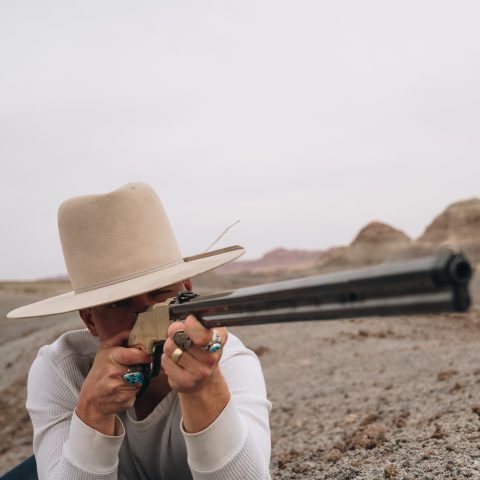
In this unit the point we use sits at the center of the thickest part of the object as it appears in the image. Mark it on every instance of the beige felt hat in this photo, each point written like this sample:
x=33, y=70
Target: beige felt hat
x=118, y=245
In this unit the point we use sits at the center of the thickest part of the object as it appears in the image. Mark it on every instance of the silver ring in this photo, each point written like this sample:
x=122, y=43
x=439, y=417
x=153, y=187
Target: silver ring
x=177, y=353
x=214, y=344
x=182, y=340
x=133, y=377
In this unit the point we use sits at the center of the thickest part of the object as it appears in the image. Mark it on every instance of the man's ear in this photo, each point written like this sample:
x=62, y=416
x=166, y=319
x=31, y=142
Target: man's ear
x=188, y=285
x=86, y=314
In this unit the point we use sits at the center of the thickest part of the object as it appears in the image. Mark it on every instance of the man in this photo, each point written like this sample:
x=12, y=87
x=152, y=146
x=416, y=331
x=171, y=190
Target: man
x=205, y=416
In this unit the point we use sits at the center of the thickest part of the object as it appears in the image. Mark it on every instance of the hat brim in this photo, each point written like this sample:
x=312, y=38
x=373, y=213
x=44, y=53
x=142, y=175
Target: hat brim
x=71, y=301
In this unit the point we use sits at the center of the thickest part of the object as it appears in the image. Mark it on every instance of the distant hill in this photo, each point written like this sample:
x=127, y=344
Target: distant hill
x=278, y=259
x=380, y=235
x=458, y=226
x=375, y=243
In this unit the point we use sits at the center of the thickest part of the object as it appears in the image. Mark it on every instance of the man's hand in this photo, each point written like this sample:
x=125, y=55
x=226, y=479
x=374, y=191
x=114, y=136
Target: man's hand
x=104, y=393
x=196, y=376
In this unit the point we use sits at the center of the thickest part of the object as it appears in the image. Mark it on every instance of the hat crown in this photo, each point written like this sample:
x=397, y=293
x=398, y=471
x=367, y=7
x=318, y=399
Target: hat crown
x=115, y=236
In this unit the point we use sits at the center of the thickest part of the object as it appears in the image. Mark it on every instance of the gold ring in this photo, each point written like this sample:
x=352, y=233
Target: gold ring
x=178, y=352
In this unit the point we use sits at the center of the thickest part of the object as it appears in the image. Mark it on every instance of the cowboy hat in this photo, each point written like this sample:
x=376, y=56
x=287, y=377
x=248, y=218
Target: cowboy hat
x=118, y=245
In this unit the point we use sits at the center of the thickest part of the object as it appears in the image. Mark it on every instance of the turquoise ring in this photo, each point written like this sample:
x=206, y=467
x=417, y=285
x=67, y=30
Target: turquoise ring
x=133, y=377
x=215, y=347
x=214, y=344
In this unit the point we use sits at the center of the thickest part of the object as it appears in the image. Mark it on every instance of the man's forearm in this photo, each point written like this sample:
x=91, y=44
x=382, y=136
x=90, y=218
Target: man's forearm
x=200, y=409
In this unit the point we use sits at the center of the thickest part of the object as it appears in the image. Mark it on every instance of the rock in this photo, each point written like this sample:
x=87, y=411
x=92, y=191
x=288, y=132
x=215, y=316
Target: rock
x=372, y=417
x=333, y=455
x=476, y=409
x=457, y=224
x=445, y=375
x=438, y=433
x=390, y=471
x=456, y=388
x=367, y=437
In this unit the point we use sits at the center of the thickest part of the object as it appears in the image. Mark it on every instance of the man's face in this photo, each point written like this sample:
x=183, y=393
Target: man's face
x=107, y=320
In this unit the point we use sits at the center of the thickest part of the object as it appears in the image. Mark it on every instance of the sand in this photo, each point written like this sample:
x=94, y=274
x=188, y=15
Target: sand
x=368, y=398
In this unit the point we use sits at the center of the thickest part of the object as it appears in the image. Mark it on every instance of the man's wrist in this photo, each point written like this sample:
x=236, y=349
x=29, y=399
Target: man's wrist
x=202, y=407
x=89, y=415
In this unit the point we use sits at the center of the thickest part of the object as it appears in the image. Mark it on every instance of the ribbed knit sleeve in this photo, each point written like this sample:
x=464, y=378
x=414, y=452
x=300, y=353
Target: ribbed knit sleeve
x=237, y=445
x=64, y=447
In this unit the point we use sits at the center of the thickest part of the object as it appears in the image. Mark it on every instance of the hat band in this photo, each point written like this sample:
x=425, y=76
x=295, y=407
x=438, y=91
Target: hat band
x=126, y=277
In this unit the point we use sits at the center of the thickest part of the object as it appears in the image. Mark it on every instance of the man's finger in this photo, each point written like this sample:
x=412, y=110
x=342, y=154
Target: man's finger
x=192, y=355
x=129, y=356
x=199, y=334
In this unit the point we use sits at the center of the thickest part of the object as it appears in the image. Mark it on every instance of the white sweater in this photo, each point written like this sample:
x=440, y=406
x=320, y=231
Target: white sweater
x=236, y=446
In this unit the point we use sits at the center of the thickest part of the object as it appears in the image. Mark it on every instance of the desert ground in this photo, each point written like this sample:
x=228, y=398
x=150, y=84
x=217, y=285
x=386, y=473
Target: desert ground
x=368, y=398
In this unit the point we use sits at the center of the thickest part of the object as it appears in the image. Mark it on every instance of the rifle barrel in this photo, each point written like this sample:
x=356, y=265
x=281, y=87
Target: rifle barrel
x=434, y=284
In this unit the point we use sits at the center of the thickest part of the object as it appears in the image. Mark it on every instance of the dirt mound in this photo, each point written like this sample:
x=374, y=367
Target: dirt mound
x=380, y=235
x=375, y=243
x=458, y=224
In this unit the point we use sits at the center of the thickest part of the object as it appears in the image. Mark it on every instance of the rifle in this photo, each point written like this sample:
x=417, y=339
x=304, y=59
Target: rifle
x=433, y=284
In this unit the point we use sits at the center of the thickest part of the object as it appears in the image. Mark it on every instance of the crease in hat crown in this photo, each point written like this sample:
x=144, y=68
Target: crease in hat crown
x=117, y=245
x=115, y=236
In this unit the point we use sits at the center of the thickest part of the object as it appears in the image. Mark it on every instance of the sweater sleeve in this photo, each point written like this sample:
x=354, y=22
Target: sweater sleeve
x=237, y=445
x=64, y=446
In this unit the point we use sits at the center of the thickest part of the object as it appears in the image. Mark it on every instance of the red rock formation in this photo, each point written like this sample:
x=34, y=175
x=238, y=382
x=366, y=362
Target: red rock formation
x=278, y=259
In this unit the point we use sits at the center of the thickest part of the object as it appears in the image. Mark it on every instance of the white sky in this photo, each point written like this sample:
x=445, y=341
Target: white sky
x=304, y=119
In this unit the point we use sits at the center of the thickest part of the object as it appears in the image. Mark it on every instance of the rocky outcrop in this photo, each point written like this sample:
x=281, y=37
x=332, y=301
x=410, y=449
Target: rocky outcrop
x=457, y=226
x=375, y=243
x=380, y=235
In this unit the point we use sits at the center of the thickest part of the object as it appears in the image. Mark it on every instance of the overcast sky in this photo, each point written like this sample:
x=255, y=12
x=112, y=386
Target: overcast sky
x=303, y=119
